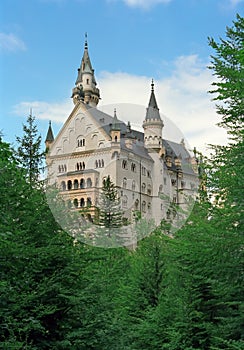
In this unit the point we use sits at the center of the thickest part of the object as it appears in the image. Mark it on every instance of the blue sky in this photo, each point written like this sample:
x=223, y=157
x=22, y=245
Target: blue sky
x=130, y=42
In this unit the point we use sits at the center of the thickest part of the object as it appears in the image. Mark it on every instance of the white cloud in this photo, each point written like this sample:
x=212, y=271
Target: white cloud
x=10, y=42
x=144, y=4
x=57, y=112
x=235, y=2
x=182, y=97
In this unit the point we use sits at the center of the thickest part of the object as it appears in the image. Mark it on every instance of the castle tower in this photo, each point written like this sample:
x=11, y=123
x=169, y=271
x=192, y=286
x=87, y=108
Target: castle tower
x=85, y=86
x=153, y=124
x=49, y=138
x=115, y=129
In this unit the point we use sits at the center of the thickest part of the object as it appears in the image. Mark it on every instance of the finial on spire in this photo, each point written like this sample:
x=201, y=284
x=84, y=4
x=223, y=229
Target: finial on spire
x=50, y=123
x=86, y=45
x=115, y=115
x=152, y=85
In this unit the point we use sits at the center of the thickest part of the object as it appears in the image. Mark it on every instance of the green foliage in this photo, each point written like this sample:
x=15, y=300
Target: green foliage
x=179, y=293
x=110, y=214
x=29, y=152
x=228, y=66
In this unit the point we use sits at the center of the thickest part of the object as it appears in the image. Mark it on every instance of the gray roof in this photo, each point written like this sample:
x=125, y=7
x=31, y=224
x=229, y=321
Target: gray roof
x=173, y=149
x=49, y=137
x=152, y=110
x=177, y=150
x=85, y=66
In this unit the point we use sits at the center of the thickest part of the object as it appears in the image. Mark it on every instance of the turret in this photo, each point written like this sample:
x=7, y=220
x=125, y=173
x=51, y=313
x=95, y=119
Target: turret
x=153, y=124
x=85, y=86
x=115, y=129
x=49, y=138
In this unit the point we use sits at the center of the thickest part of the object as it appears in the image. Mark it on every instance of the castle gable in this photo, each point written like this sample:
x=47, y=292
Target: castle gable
x=84, y=130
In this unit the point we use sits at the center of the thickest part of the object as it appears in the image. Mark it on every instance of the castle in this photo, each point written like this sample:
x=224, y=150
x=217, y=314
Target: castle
x=149, y=171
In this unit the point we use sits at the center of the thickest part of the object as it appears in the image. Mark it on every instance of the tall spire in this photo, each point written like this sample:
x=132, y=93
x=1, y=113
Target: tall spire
x=85, y=86
x=86, y=45
x=49, y=137
x=115, y=124
x=152, y=110
x=153, y=123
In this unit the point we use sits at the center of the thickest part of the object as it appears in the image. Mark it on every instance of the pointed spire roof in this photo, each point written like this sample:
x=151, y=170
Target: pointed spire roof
x=115, y=124
x=49, y=137
x=152, y=110
x=85, y=66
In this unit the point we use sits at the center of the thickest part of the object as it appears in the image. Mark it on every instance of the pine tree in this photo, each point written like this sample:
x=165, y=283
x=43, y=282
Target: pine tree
x=228, y=67
x=29, y=152
x=110, y=213
x=226, y=178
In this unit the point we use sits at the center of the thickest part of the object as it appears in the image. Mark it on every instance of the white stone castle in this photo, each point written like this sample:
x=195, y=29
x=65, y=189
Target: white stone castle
x=149, y=171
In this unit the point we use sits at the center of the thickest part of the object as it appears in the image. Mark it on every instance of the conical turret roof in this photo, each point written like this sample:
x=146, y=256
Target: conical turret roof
x=152, y=109
x=49, y=137
x=85, y=66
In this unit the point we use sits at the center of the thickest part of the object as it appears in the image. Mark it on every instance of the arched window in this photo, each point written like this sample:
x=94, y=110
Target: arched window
x=133, y=186
x=82, y=183
x=144, y=206
x=59, y=169
x=160, y=190
x=76, y=184
x=69, y=185
x=116, y=138
x=83, y=142
x=87, y=81
x=102, y=163
x=89, y=202
x=89, y=182
x=75, y=202
x=65, y=168
x=77, y=166
x=143, y=187
x=124, y=164
x=63, y=186
x=133, y=167
x=96, y=164
x=82, y=202
x=83, y=164
x=124, y=182
x=99, y=163
x=89, y=217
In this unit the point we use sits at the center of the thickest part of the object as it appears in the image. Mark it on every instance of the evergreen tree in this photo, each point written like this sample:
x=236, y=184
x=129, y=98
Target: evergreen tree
x=109, y=209
x=226, y=178
x=40, y=268
x=29, y=152
x=228, y=67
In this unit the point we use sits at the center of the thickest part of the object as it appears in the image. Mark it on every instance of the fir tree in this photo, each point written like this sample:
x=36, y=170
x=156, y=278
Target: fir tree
x=29, y=152
x=110, y=214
